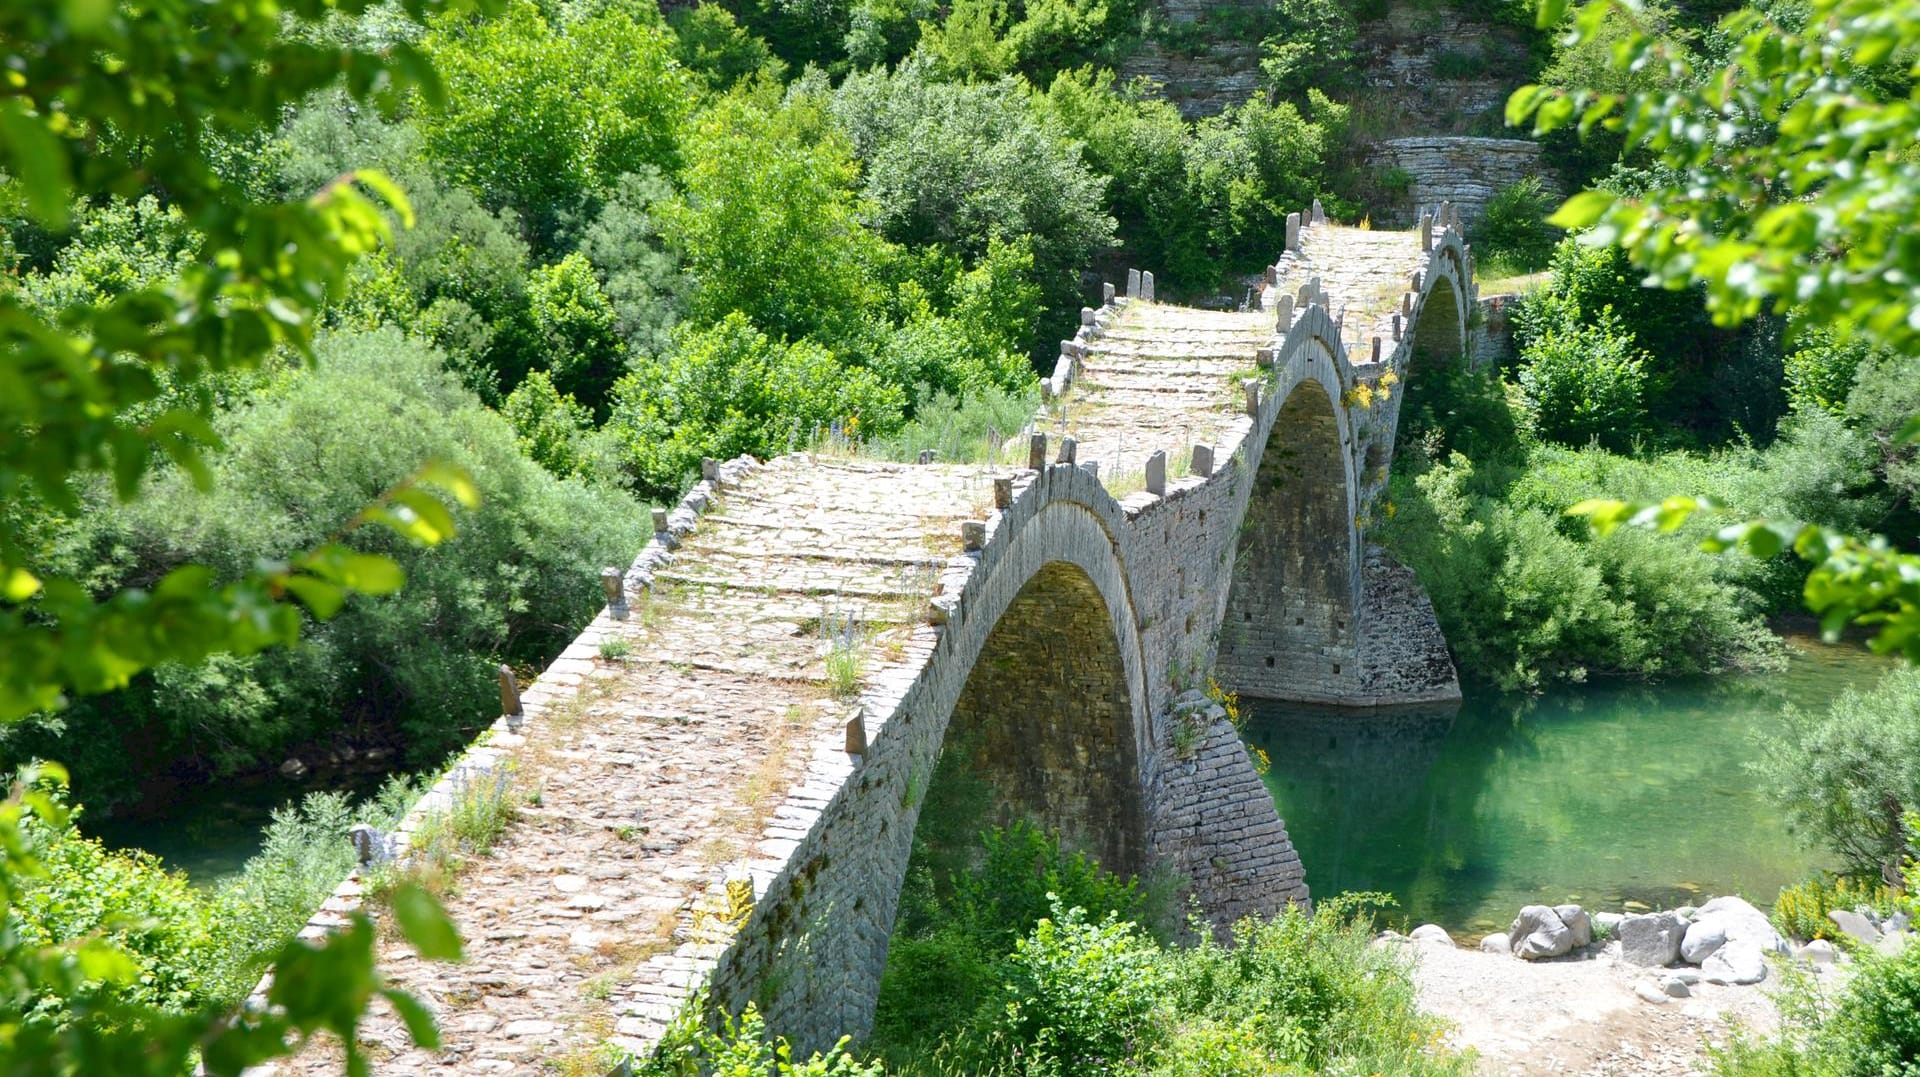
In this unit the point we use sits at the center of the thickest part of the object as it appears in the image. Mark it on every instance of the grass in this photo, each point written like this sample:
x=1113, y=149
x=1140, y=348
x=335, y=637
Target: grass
x=481, y=808
x=612, y=650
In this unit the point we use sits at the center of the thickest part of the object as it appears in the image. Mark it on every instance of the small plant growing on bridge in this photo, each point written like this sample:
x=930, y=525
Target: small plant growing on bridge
x=613, y=650
x=846, y=654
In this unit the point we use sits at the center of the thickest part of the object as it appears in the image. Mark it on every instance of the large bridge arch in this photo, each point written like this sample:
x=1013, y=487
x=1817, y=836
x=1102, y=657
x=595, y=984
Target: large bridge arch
x=1290, y=612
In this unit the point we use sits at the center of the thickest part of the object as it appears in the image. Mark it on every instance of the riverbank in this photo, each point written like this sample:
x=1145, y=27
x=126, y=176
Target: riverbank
x=1579, y=1015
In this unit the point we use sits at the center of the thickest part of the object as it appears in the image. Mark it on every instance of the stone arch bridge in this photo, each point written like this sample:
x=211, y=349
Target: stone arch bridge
x=721, y=778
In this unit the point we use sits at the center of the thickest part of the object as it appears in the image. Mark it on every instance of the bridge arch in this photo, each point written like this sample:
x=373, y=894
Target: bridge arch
x=1290, y=613
x=1446, y=302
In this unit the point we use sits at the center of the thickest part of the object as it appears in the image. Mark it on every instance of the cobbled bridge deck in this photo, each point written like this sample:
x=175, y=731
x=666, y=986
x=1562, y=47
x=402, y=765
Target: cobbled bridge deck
x=714, y=808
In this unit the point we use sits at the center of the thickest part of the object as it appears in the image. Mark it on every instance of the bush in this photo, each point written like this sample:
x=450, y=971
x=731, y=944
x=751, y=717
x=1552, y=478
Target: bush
x=1081, y=994
x=1801, y=910
x=417, y=666
x=1871, y=1030
x=1513, y=234
x=1586, y=383
x=1843, y=777
x=730, y=389
x=1526, y=600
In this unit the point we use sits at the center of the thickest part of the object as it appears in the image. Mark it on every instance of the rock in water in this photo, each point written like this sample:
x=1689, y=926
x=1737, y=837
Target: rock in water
x=1735, y=963
x=1651, y=938
x=1703, y=937
x=1431, y=935
x=1539, y=932
x=1856, y=925
x=1577, y=921
x=1496, y=943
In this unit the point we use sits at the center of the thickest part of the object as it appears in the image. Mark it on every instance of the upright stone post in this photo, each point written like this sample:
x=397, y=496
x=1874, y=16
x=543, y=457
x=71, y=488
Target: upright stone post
x=510, y=707
x=659, y=521
x=1396, y=325
x=1201, y=463
x=1146, y=285
x=366, y=844
x=612, y=582
x=1086, y=315
x=1133, y=283
x=1319, y=212
x=973, y=534
x=1036, y=452
x=1446, y=214
x=1319, y=290
x=1003, y=492
x=1376, y=349
x=1293, y=231
x=1106, y=292
x=710, y=470
x=1272, y=275
x=1157, y=473
x=1069, y=450
x=1417, y=279
x=1406, y=305
x=1251, y=387
x=1285, y=321
x=1426, y=232
x=857, y=732
x=926, y=456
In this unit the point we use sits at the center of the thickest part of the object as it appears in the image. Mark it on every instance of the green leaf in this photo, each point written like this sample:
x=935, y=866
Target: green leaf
x=18, y=585
x=1582, y=210
x=38, y=160
x=419, y=1021
x=371, y=574
x=454, y=481
x=425, y=924
x=1908, y=433
x=319, y=596
x=1550, y=14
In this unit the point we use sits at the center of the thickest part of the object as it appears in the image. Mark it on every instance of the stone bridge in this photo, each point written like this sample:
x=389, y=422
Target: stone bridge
x=720, y=780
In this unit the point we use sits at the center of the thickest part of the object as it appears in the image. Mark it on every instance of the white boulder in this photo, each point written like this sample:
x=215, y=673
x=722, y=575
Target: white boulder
x=1735, y=963
x=1539, y=932
x=1651, y=938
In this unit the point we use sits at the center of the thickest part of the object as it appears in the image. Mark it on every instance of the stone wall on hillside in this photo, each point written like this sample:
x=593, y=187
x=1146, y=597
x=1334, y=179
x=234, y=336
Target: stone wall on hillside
x=1463, y=170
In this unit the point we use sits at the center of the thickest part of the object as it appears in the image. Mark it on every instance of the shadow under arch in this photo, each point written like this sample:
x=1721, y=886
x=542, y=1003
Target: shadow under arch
x=1288, y=628
x=1441, y=332
x=1044, y=731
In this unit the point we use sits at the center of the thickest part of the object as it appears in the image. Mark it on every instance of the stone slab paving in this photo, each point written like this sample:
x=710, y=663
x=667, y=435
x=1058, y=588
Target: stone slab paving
x=663, y=772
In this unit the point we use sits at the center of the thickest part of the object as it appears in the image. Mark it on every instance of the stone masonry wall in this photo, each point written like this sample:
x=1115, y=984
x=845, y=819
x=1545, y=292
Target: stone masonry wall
x=1465, y=171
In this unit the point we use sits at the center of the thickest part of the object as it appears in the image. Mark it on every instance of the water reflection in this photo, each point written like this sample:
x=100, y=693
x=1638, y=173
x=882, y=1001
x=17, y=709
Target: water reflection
x=1603, y=794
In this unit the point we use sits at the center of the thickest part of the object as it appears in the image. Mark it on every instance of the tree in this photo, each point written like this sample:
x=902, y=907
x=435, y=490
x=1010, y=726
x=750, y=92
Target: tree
x=769, y=219
x=543, y=116
x=1786, y=180
x=107, y=99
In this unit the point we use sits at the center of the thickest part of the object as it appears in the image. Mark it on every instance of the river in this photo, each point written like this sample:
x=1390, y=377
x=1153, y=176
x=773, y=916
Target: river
x=1599, y=794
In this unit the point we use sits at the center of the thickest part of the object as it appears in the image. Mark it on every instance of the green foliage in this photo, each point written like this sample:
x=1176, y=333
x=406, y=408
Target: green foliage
x=1800, y=911
x=1585, y=383
x=1872, y=1029
x=731, y=389
x=969, y=44
x=103, y=951
x=1513, y=231
x=1312, y=46
x=969, y=429
x=543, y=114
x=957, y=166
x=1524, y=603
x=1814, y=211
x=1193, y=202
x=770, y=221
x=110, y=101
x=554, y=430
x=1081, y=995
x=742, y=1048
x=575, y=323
x=712, y=45
x=419, y=665
x=1844, y=776
x=1822, y=370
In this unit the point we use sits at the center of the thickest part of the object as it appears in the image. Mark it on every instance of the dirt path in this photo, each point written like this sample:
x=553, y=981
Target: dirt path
x=1579, y=1014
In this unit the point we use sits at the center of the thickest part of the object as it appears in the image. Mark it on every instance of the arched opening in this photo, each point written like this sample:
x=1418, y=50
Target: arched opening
x=1043, y=732
x=1288, y=630
x=1450, y=403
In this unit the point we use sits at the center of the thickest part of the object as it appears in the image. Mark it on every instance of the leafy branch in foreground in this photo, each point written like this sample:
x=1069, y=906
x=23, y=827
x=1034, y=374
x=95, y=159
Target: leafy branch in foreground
x=62, y=1004
x=1786, y=172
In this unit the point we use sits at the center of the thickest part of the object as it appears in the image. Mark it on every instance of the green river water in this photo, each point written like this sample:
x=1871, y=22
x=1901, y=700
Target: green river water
x=1600, y=794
